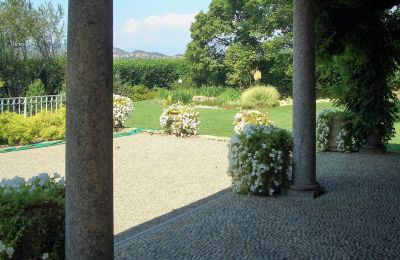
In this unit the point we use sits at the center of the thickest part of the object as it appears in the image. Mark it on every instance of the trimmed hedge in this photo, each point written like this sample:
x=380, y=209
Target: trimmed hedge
x=152, y=73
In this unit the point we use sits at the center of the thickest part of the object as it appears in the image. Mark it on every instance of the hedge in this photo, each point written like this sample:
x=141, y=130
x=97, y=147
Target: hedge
x=152, y=73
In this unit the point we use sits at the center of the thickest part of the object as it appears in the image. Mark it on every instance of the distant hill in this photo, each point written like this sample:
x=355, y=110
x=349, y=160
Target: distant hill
x=120, y=53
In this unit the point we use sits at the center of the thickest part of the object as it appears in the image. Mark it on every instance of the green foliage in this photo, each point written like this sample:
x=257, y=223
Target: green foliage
x=140, y=92
x=44, y=126
x=394, y=79
x=30, y=40
x=259, y=159
x=218, y=96
x=119, y=86
x=35, y=89
x=260, y=96
x=152, y=73
x=32, y=217
x=240, y=62
x=358, y=45
x=236, y=37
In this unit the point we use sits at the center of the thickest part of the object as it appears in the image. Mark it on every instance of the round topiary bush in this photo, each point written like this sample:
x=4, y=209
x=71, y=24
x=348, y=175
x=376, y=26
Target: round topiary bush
x=246, y=117
x=260, y=159
x=180, y=120
x=260, y=96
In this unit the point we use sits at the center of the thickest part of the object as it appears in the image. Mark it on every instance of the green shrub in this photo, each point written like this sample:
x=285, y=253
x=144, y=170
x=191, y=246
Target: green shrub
x=44, y=126
x=151, y=73
x=35, y=89
x=120, y=87
x=260, y=96
x=141, y=92
x=183, y=95
x=260, y=159
x=32, y=217
x=229, y=96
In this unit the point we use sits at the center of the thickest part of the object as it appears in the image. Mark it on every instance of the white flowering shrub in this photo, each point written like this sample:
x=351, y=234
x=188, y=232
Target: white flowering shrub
x=260, y=159
x=180, y=120
x=32, y=217
x=345, y=142
x=246, y=117
x=323, y=122
x=122, y=109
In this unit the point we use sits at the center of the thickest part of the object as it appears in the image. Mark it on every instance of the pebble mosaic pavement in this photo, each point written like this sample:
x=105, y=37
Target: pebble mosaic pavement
x=358, y=218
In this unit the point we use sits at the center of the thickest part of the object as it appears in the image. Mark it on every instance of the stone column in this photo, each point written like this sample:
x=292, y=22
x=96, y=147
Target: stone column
x=89, y=151
x=304, y=95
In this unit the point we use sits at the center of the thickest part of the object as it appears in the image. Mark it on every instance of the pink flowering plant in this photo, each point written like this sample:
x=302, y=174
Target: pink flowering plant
x=260, y=159
x=32, y=217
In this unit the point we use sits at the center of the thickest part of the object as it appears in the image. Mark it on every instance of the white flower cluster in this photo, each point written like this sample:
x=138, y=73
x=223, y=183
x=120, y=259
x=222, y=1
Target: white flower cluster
x=323, y=129
x=256, y=164
x=181, y=120
x=122, y=109
x=246, y=117
x=340, y=140
x=18, y=183
x=343, y=139
x=7, y=250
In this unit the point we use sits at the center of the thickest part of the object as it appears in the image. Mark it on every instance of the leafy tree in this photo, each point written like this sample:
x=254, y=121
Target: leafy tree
x=30, y=40
x=358, y=47
x=236, y=37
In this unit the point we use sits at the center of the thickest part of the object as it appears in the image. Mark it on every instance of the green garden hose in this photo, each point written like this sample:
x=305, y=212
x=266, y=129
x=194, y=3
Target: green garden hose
x=48, y=144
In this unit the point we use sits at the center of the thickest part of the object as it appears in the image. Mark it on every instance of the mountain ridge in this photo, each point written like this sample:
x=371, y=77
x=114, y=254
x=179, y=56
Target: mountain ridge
x=139, y=54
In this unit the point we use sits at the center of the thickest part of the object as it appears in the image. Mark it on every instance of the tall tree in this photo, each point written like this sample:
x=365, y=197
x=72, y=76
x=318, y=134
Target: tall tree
x=235, y=37
x=30, y=39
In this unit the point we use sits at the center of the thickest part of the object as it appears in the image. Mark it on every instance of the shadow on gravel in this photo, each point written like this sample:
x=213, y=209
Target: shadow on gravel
x=121, y=238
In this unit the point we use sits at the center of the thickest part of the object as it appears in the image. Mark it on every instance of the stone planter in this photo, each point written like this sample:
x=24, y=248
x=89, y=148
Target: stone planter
x=373, y=145
x=335, y=127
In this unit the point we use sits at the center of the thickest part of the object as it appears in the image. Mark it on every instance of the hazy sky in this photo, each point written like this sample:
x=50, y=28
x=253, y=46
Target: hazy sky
x=151, y=25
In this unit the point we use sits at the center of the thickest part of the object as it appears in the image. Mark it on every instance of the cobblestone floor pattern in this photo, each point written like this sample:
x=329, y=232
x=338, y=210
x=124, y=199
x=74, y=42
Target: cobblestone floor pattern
x=358, y=218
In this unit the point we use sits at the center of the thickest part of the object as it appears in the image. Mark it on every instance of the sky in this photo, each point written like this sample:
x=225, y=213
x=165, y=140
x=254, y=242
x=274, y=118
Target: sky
x=150, y=25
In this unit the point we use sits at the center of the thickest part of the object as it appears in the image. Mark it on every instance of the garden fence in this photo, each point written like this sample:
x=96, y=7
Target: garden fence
x=29, y=106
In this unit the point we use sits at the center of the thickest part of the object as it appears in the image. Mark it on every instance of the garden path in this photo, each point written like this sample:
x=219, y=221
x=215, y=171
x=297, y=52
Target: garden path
x=153, y=174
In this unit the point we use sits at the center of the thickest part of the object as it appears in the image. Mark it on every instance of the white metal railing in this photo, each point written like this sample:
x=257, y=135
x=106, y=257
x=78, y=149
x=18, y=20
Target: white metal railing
x=29, y=106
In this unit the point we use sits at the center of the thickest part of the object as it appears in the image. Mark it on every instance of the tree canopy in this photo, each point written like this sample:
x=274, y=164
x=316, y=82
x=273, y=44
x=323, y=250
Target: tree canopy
x=234, y=38
x=30, y=40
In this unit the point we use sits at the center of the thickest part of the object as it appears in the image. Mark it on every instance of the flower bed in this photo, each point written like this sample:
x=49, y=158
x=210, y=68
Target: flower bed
x=32, y=217
x=260, y=159
x=246, y=117
x=180, y=120
x=122, y=109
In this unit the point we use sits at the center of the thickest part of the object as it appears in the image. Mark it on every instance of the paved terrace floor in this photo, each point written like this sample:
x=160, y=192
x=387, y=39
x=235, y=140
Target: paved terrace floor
x=172, y=202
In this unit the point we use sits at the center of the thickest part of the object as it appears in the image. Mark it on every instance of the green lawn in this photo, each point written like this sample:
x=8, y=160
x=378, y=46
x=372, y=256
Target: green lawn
x=218, y=122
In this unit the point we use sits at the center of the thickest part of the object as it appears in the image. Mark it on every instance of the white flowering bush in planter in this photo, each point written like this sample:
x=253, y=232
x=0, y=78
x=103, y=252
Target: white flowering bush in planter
x=32, y=217
x=260, y=159
x=180, y=120
x=343, y=139
x=122, y=109
x=246, y=117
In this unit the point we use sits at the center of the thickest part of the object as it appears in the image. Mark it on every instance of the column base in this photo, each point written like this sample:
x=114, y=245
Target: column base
x=314, y=190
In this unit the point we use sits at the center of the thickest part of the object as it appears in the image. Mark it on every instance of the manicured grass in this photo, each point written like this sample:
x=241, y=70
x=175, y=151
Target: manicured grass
x=218, y=122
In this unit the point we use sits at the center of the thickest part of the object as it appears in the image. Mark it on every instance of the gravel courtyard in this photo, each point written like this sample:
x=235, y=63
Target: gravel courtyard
x=153, y=174
x=172, y=202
